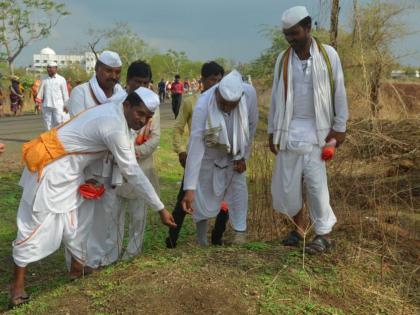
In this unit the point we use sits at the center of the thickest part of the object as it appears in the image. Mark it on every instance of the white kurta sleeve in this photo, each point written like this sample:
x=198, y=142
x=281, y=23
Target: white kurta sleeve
x=119, y=145
x=273, y=102
x=76, y=101
x=252, y=102
x=196, y=145
x=340, y=97
x=64, y=91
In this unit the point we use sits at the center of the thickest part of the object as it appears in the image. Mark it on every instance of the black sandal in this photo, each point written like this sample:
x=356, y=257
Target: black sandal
x=292, y=239
x=318, y=245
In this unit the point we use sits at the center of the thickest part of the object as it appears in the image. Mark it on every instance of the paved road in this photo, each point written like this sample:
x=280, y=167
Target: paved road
x=16, y=130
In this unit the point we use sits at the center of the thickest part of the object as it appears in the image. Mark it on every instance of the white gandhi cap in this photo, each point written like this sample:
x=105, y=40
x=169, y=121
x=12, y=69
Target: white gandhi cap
x=149, y=98
x=293, y=16
x=231, y=86
x=110, y=58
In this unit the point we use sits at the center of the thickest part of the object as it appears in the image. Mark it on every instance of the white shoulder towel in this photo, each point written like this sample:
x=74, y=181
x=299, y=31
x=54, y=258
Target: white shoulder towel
x=216, y=131
x=99, y=93
x=322, y=100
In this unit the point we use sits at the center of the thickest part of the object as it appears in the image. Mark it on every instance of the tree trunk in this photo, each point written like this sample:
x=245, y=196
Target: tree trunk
x=11, y=67
x=335, y=9
x=375, y=84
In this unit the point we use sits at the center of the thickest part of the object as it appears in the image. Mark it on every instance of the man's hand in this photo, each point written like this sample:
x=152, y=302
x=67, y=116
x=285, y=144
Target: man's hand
x=167, y=218
x=182, y=157
x=187, y=201
x=271, y=144
x=239, y=166
x=339, y=136
x=2, y=148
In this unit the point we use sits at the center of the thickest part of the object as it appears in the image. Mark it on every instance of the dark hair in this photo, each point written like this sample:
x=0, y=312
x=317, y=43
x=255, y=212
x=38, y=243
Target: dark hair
x=134, y=99
x=211, y=68
x=177, y=76
x=140, y=69
x=306, y=22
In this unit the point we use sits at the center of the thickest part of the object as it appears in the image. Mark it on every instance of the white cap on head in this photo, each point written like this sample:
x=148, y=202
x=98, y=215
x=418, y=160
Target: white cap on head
x=110, y=58
x=293, y=16
x=149, y=98
x=52, y=64
x=231, y=86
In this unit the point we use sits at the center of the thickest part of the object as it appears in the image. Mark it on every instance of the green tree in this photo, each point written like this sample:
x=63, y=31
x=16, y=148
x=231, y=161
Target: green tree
x=25, y=21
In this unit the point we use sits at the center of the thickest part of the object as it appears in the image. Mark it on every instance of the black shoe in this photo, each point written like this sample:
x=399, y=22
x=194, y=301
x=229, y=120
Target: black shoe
x=216, y=238
x=170, y=243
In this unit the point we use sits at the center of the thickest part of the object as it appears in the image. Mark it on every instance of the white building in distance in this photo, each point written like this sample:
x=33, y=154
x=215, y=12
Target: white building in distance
x=86, y=61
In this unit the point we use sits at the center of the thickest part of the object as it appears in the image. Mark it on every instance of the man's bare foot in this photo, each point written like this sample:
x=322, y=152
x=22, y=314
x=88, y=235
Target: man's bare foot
x=18, y=296
x=77, y=270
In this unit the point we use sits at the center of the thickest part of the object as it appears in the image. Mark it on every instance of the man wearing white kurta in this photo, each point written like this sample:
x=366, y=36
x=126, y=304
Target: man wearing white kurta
x=53, y=95
x=223, y=127
x=48, y=211
x=103, y=87
x=144, y=143
x=308, y=109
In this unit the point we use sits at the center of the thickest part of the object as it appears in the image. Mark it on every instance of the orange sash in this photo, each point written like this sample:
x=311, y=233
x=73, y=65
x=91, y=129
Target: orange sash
x=41, y=151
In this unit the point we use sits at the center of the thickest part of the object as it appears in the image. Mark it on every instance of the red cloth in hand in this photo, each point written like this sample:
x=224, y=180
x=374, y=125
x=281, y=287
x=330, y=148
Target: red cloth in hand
x=224, y=206
x=328, y=153
x=91, y=191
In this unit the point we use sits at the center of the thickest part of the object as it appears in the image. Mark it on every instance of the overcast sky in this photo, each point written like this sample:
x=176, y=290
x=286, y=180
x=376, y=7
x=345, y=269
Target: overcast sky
x=204, y=29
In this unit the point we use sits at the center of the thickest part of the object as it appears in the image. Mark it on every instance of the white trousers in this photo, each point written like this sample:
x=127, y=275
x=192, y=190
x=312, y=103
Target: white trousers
x=40, y=234
x=291, y=172
x=137, y=210
x=52, y=117
x=221, y=184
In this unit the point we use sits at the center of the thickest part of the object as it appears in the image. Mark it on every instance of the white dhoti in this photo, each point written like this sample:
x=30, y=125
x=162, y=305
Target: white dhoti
x=292, y=170
x=40, y=234
x=102, y=245
x=219, y=182
x=52, y=117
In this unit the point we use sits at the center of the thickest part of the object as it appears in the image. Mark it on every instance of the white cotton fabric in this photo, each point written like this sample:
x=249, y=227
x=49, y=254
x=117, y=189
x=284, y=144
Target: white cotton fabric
x=99, y=93
x=281, y=112
x=216, y=132
x=99, y=129
x=53, y=92
x=209, y=170
x=295, y=172
x=40, y=234
x=110, y=58
x=106, y=242
x=293, y=16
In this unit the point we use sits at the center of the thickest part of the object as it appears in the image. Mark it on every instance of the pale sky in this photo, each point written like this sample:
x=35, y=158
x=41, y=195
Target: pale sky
x=204, y=29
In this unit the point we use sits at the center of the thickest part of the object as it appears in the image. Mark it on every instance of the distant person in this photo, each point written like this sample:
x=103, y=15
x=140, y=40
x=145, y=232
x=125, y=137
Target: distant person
x=308, y=110
x=34, y=91
x=177, y=88
x=53, y=96
x=2, y=147
x=168, y=89
x=16, y=95
x=161, y=90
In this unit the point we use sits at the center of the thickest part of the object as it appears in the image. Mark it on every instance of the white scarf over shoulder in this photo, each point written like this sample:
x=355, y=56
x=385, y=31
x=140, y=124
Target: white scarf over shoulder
x=216, y=131
x=100, y=94
x=322, y=100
